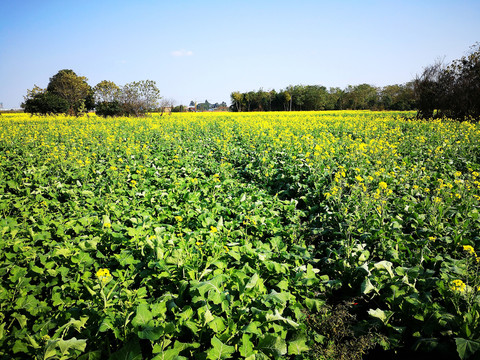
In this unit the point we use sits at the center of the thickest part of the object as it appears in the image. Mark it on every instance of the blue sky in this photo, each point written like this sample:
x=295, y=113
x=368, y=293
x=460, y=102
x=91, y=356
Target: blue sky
x=197, y=50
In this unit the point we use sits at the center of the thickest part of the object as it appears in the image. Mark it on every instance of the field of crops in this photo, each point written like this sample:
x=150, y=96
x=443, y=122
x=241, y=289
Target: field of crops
x=214, y=236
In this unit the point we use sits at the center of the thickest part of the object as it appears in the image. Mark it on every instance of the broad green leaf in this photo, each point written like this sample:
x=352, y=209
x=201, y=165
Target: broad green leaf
x=246, y=346
x=170, y=354
x=277, y=316
x=19, y=346
x=73, y=343
x=252, y=328
x=150, y=333
x=367, y=286
x=252, y=282
x=143, y=316
x=219, y=350
x=273, y=345
x=217, y=324
x=384, y=316
x=297, y=346
x=467, y=348
x=314, y=304
x=385, y=265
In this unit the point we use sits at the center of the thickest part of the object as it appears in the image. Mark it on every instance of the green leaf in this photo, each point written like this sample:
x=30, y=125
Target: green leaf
x=246, y=346
x=252, y=328
x=150, y=333
x=367, y=286
x=384, y=316
x=314, y=304
x=19, y=346
x=91, y=355
x=252, y=282
x=217, y=325
x=219, y=350
x=72, y=343
x=130, y=351
x=467, y=348
x=385, y=265
x=297, y=346
x=143, y=316
x=277, y=316
x=170, y=354
x=272, y=344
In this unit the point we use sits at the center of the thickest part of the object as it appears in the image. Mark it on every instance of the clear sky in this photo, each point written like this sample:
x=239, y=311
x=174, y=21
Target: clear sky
x=198, y=50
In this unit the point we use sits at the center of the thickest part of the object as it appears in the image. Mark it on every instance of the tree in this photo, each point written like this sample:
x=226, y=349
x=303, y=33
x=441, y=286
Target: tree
x=166, y=104
x=237, y=100
x=139, y=97
x=453, y=90
x=45, y=103
x=72, y=88
x=135, y=98
x=427, y=90
x=106, y=95
x=106, y=91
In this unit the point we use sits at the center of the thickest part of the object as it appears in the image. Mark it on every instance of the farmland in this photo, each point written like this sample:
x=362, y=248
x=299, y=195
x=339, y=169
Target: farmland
x=237, y=235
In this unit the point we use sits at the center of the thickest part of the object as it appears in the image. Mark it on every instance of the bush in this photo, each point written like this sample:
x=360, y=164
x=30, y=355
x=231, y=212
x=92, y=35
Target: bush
x=46, y=103
x=109, y=108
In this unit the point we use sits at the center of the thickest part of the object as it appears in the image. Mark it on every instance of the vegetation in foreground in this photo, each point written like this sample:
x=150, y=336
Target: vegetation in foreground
x=216, y=236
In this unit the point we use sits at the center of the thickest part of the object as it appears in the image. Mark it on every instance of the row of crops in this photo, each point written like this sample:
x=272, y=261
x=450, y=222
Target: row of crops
x=306, y=235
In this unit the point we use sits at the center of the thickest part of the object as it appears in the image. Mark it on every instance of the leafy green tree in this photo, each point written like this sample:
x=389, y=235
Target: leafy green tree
x=335, y=99
x=72, y=88
x=453, y=90
x=139, y=97
x=45, y=103
x=237, y=100
x=106, y=95
x=361, y=97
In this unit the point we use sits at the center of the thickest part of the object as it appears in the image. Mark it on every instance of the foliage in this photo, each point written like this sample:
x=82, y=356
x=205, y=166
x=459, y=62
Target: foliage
x=44, y=103
x=135, y=98
x=66, y=93
x=73, y=89
x=316, y=97
x=232, y=235
x=450, y=91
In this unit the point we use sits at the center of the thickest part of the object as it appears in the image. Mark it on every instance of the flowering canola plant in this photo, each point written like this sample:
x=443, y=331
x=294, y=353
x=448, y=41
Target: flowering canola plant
x=231, y=230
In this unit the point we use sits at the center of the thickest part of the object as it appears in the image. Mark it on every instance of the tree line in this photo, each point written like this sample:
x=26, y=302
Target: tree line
x=441, y=90
x=451, y=90
x=317, y=97
x=69, y=93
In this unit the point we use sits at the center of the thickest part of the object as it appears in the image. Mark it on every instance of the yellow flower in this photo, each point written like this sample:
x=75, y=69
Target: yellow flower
x=358, y=178
x=469, y=249
x=179, y=218
x=46, y=337
x=432, y=238
x=458, y=285
x=107, y=225
x=113, y=168
x=103, y=275
x=382, y=185
x=199, y=243
x=133, y=183
x=213, y=229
